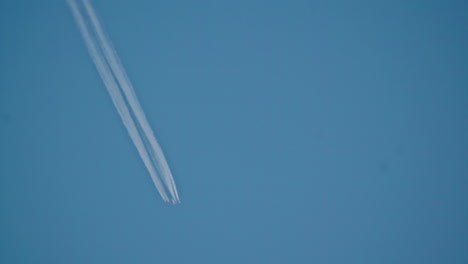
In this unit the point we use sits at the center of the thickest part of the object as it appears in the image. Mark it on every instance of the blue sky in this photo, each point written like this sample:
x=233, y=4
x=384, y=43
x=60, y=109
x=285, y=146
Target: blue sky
x=297, y=132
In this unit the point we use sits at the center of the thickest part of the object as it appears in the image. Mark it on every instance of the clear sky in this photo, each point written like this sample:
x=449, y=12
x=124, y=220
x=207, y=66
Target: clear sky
x=297, y=132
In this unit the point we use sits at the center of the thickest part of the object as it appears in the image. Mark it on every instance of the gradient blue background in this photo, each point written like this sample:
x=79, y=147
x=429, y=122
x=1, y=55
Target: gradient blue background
x=297, y=131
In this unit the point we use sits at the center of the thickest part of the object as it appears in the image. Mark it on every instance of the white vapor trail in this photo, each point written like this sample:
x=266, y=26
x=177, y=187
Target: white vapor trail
x=119, y=71
x=116, y=80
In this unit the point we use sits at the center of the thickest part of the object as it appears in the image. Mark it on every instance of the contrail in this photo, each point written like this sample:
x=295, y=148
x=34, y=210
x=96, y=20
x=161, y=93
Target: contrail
x=127, y=88
x=113, y=75
x=116, y=96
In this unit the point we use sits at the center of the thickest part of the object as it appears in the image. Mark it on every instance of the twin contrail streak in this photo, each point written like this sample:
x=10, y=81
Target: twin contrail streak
x=123, y=95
